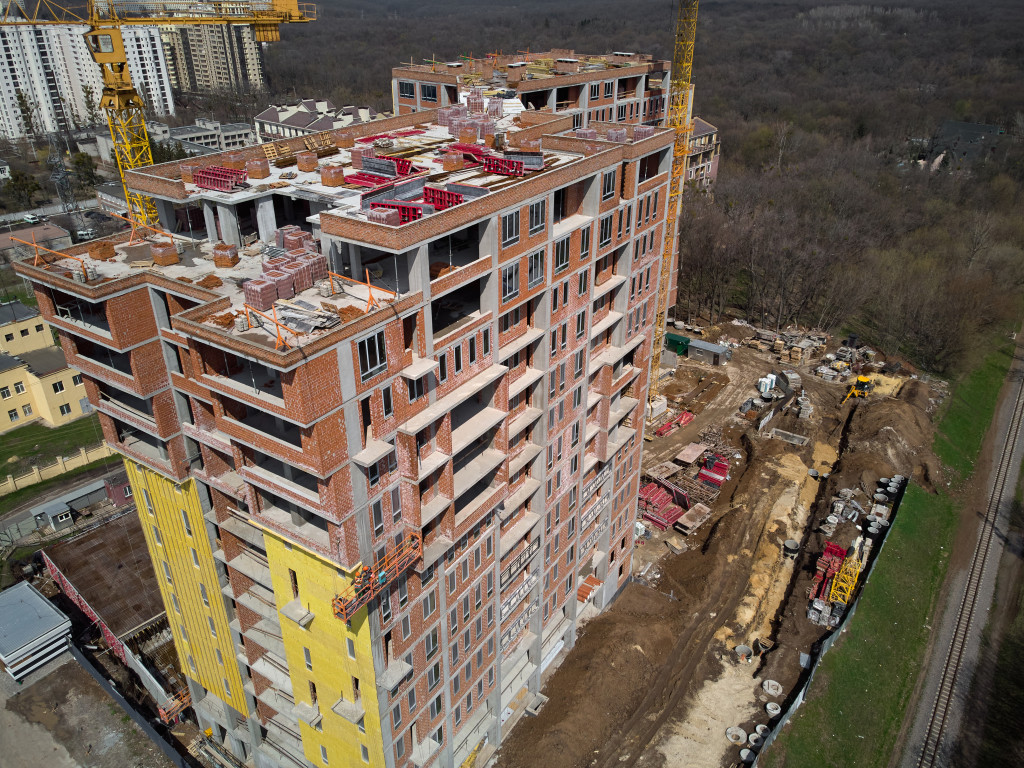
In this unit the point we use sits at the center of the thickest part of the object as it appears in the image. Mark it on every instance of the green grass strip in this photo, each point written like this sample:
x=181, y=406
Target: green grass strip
x=39, y=444
x=12, y=500
x=969, y=412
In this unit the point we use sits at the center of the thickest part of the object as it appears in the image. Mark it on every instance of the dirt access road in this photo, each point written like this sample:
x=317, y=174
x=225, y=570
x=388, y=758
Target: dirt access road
x=653, y=681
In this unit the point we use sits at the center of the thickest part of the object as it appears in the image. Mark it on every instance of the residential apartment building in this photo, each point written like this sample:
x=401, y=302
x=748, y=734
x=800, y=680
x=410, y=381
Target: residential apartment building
x=22, y=329
x=306, y=117
x=619, y=87
x=213, y=57
x=206, y=133
x=35, y=381
x=379, y=510
x=705, y=149
x=52, y=70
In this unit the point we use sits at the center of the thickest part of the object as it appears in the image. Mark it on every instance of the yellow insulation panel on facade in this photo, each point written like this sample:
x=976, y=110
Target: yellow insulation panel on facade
x=334, y=657
x=172, y=519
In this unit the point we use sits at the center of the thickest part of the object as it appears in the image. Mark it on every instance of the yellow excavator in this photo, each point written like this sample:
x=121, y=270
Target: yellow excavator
x=861, y=387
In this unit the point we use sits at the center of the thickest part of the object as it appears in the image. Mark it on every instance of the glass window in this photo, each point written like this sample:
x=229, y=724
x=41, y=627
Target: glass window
x=372, y=355
x=389, y=406
x=606, y=231
x=510, y=229
x=428, y=92
x=509, y=282
x=561, y=254
x=608, y=185
x=537, y=218
x=535, y=270
x=406, y=90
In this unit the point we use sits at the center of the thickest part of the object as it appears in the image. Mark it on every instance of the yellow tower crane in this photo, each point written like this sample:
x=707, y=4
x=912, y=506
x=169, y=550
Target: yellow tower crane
x=120, y=101
x=681, y=119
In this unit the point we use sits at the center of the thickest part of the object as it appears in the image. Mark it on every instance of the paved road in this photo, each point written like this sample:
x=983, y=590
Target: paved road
x=956, y=584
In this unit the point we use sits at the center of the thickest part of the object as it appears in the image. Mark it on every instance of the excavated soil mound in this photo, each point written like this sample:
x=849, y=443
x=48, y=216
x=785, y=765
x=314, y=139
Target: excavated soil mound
x=916, y=393
x=601, y=683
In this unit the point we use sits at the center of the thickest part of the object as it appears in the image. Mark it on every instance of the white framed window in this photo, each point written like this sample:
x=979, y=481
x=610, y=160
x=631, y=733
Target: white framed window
x=77, y=379
x=372, y=355
x=307, y=658
x=65, y=410
x=585, y=242
x=323, y=755
x=510, y=229
x=609, y=89
x=13, y=414
x=406, y=90
x=58, y=387
x=561, y=255
x=509, y=282
x=389, y=405
x=204, y=595
x=19, y=388
x=537, y=217
x=581, y=323
x=535, y=270
x=606, y=231
x=5, y=393
x=608, y=185
x=428, y=92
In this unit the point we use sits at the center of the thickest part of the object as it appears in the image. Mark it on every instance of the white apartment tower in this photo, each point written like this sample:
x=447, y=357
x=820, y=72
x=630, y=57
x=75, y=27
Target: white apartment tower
x=51, y=67
x=213, y=57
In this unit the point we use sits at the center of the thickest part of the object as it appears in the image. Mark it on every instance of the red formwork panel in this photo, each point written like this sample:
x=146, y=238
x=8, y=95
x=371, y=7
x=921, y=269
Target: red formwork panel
x=364, y=179
x=442, y=198
x=503, y=166
x=406, y=211
x=402, y=165
x=218, y=178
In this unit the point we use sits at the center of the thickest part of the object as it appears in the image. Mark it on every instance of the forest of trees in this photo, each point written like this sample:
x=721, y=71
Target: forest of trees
x=821, y=215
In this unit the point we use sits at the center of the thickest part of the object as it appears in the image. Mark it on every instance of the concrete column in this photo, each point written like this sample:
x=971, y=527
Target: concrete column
x=266, y=219
x=165, y=212
x=211, y=221
x=553, y=100
x=228, y=217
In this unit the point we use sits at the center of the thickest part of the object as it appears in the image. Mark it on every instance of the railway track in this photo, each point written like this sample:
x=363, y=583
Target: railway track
x=931, y=751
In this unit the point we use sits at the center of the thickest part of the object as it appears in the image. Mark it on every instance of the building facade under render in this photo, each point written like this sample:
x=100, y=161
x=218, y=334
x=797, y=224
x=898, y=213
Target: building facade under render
x=620, y=87
x=380, y=497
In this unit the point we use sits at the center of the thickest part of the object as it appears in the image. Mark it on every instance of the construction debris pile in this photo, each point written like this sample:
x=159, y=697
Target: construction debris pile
x=680, y=492
x=837, y=569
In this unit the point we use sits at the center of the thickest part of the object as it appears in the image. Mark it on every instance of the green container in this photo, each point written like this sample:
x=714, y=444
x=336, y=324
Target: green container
x=677, y=344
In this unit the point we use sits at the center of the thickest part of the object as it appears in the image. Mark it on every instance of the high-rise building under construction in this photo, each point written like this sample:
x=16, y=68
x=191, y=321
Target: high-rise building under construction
x=385, y=428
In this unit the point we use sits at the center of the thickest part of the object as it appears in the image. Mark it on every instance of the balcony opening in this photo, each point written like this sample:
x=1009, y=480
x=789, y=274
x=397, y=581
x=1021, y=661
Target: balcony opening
x=263, y=422
x=650, y=166
x=455, y=309
x=459, y=249
x=286, y=472
x=536, y=100
x=76, y=310
x=242, y=370
x=126, y=401
x=89, y=350
x=568, y=201
x=289, y=515
x=139, y=442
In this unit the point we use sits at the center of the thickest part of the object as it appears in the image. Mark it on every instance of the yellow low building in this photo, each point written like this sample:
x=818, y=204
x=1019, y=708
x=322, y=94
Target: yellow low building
x=39, y=385
x=22, y=329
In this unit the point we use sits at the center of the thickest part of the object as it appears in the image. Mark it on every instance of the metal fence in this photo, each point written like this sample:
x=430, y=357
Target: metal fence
x=829, y=641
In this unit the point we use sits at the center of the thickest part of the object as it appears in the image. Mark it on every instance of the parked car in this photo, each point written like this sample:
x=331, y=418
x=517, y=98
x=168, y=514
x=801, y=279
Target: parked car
x=32, y=219
x=86, y=234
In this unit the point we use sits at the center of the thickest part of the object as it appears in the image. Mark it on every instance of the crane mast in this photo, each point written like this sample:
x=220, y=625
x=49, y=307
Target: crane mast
x=681, y=120
x=120, y=101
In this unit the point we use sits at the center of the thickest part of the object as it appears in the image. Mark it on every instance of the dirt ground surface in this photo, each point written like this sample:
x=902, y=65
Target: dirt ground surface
x=655, y=680
x=63, y=719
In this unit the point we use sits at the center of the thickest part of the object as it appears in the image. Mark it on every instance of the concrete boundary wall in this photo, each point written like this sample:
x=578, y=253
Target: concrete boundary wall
x=58, y=467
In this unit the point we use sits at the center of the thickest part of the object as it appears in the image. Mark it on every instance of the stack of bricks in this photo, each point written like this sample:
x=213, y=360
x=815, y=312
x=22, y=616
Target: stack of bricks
x=530, y=145
x=455, y=126
x=101, y=251
x=297, y=239
x=301, y=273
x=164, y=254
x=346, y=140
x=641, y=132
x=453, y=161
x=358, y=153
x=586, y=133
x=225, y=255
x=307, y=161
x=331, y=175
x=468, y=132
x=258, y=168
x=284, y=282
x=270, y=265
x=496, y=107
x=260, y=293
x=233, y=160
x=384, y=216
x=187, y=169
x=280, y=235
x=475, y=102
x=617, y=135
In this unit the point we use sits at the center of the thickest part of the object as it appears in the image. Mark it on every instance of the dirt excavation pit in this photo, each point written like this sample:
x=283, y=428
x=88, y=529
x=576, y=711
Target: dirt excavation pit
x=654, y=681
